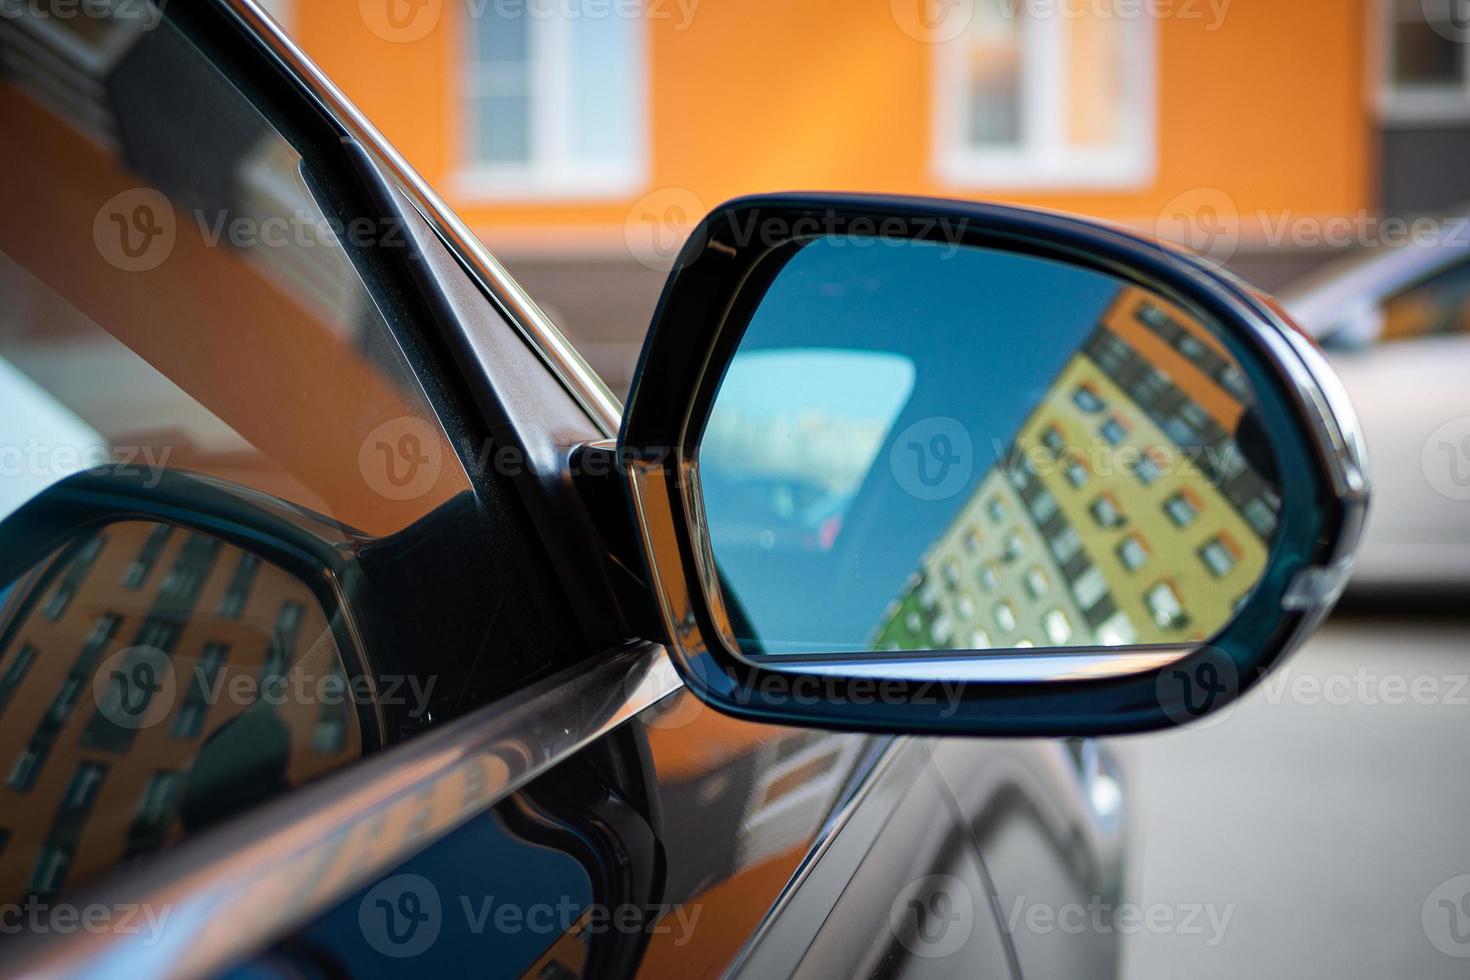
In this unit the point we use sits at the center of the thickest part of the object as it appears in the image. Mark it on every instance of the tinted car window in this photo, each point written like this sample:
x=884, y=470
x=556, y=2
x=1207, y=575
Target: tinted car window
x=151, y=682
x=1436, y=306
x=238, y=547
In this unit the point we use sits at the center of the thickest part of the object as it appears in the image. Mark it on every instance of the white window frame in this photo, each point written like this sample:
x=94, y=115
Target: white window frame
x=551, y=172
x=1414, y=105
x=1042, y=160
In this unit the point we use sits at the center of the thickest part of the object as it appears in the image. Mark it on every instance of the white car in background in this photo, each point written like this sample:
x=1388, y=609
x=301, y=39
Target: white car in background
x=1396, y=324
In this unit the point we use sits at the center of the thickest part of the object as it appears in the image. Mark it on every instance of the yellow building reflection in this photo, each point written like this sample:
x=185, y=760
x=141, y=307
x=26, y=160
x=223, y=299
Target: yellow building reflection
x=1123, y=512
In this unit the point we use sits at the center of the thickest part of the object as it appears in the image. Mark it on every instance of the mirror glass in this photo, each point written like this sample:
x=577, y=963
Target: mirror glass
x=960, y=448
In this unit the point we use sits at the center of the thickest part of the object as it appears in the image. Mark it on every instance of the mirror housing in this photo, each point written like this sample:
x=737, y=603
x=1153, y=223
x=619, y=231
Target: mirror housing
x=721, y=277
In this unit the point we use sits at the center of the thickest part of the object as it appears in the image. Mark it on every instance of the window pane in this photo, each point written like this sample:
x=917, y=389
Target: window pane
x=500, y=85
x=182, y=327
x=503, y=129
x=604, y=88
x=1424, y=56
x=100, y=701
x=502, y=34
x=993, y=74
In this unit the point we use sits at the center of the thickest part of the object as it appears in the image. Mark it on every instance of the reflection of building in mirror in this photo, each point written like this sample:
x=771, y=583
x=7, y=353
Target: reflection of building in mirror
x=154, y=680
x=1124, y=511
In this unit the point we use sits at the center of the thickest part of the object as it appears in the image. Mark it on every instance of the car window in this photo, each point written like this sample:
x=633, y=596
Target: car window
x=238, y=547
x=1432, y=307
x=119, y=735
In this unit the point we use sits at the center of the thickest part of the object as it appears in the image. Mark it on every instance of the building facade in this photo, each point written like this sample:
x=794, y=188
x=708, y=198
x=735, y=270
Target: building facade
x=144, y=671
x=582, y=138
x=1124, y=512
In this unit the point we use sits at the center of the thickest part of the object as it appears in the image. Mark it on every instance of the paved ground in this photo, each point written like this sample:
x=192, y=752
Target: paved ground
x=1325, y=815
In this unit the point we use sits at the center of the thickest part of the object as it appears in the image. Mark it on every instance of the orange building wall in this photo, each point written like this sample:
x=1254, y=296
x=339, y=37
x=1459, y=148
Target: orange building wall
x=761, y=95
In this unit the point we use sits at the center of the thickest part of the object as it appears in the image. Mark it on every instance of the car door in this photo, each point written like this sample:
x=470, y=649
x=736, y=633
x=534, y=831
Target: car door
x=310, y=662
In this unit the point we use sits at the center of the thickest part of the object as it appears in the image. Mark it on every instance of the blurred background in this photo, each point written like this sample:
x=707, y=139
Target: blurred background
x=581, y=138
x=1318, y=148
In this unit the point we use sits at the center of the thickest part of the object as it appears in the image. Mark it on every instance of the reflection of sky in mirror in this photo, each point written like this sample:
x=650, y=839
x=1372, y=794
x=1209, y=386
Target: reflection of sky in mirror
x=767, y=384
x=986, y=332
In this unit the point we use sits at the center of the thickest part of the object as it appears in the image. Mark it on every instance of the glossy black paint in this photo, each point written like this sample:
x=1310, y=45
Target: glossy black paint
x=742, y=883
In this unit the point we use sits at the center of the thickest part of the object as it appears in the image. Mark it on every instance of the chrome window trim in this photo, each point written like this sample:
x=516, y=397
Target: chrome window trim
x=232, y=890
x=575, y=374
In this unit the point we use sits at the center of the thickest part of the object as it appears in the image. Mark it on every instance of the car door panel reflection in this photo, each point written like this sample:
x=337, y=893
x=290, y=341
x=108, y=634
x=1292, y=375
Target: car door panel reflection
x=154, y=680
x=684, y=827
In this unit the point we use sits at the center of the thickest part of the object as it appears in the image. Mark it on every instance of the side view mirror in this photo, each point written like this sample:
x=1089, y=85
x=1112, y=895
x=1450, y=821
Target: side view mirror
x=925, y=466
